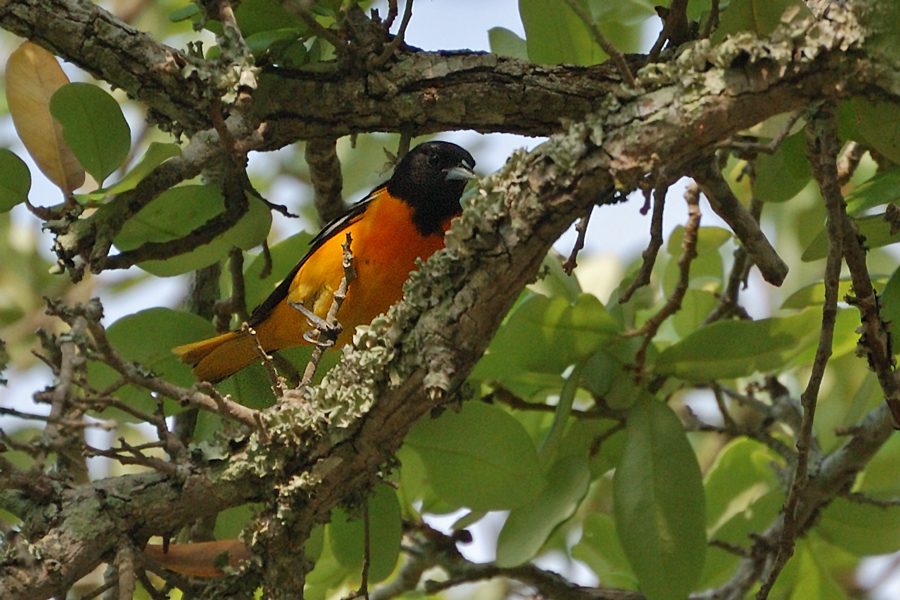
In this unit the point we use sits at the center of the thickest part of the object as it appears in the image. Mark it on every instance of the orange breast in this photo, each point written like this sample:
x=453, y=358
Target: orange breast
x=385, y=245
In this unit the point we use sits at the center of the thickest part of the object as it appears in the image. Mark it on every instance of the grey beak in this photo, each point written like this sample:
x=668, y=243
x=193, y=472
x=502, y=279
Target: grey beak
x=461, y=172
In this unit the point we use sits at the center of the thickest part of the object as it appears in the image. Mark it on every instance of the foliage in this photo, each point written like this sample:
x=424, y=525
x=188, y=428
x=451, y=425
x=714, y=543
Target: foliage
x=692, y=428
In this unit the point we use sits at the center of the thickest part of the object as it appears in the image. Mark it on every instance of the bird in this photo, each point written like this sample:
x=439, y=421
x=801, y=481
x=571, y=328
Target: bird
x=400, y=221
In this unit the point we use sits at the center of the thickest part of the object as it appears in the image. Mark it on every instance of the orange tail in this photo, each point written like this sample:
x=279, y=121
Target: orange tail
x=217, y=358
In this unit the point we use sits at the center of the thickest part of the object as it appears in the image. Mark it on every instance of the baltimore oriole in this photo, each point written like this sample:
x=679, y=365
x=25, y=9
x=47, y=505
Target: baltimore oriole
x=398, y=222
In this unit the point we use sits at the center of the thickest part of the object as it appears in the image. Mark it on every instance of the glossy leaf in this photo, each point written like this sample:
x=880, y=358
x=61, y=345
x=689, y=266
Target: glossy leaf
x=507, y=43
x=729, y=349
x=480, y=458
x=147, y=337
x=32, y=77
x=528, y=527
x=194, y=205
x=385, y=530
x=15, y=180
x=659, y=503
x=93, y=126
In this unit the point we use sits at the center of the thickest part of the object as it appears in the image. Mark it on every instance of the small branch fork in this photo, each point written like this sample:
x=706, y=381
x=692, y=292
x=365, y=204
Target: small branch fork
x=875, y=341
x=88, y=317
x=673, y=304
x=656, y=241
x=328, y=331
x=602, y=41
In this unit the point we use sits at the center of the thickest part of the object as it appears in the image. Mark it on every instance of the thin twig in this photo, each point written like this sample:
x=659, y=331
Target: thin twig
x=330, y=329
x=317, y=28
x=688, y=254
x=746, y=148
x=275, y=381
x=676, y=28
x=808, y=399
x=745, y=227
x=712, y=20
x=398, y=39
x=604, y=43
x=652, y=251
x=104, y=351
x=875, y=339
x=507, y=398
x=581, y=228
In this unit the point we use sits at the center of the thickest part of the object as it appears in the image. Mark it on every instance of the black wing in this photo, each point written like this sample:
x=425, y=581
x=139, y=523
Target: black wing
x=261, y=312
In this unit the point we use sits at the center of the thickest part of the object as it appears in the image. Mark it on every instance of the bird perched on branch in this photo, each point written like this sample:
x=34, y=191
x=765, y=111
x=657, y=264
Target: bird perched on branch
x=400, y=221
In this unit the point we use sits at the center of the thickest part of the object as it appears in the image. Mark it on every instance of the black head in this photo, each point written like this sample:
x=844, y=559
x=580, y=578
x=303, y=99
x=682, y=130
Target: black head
x=431, y=178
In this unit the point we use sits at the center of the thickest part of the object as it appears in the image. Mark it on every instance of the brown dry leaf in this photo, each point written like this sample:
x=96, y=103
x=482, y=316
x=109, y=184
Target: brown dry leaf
x=198, y=559
x=32, y=75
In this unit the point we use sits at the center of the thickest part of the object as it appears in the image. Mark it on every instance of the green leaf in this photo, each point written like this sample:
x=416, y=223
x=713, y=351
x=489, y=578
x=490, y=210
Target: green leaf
x=696, y=306
x=758, y=16
x=781, y=176
x=194, y=205
x=845, y=339
x=147, y=337
x=875, y=228
x=707, y=270
x=555, y=35
x=481, y=458
x=740, y=475
x=599, y=549
x=546, y=335
x=528, y=527
x=862, y=529
x=880, y=480
x=506, y=43
x=184, y=13
x=261, y=42
x=729, y=349
x=385, y=530
x=581, y=437
x=814, y=294
x=254, y=16
x=882, y=188
x=157, y=153
x=93, y=126
x=871, y=120
x=15, y=180
x=284, y=255
x=813, y=581
x=659, y=503
x=231, y=521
